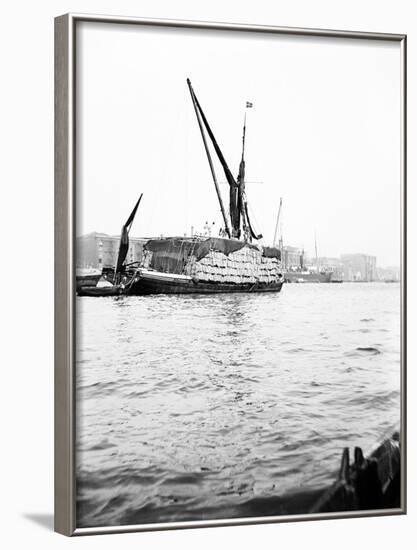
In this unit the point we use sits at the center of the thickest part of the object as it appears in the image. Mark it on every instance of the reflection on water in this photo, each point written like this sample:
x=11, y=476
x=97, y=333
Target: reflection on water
x=207, y=407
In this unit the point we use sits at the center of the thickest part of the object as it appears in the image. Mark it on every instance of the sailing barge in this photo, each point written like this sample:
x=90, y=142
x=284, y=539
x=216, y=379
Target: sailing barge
x=197, y=265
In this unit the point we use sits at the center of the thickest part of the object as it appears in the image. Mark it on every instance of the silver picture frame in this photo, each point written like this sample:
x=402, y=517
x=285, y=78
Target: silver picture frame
x=65, y=329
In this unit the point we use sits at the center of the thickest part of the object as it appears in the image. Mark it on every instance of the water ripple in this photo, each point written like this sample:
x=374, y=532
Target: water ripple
x=208, y=407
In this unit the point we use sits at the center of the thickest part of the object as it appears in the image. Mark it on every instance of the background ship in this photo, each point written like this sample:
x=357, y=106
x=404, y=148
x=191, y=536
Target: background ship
x=294, y=276
x=315, y=273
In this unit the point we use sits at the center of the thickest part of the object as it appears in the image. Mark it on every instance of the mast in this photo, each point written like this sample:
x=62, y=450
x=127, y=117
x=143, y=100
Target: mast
x=315, y=247
x=242, y=200
x=241, y=185
x=213, y=173
x=277, y=223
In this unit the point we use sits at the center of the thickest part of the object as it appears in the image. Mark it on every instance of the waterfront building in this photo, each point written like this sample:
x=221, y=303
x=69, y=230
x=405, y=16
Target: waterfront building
x=330, y=264
x=359, y=267
x=292, y=257
x=324, y=264
x=98, y=250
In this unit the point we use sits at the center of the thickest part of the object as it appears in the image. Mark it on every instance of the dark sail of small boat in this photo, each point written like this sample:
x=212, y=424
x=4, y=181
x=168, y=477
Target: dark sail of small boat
x=124, y=238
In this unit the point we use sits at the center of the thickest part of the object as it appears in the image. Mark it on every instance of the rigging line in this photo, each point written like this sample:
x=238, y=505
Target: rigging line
x=252, y=214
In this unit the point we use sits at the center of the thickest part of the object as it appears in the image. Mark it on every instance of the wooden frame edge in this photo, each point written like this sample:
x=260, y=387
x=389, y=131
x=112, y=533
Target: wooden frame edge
x=64, y=479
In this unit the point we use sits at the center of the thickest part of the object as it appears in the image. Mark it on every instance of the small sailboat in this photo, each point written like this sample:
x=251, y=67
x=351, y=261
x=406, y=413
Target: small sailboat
x=118, y=281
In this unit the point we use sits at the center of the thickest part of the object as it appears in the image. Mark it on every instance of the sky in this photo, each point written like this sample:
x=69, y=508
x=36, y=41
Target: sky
x=323, y=134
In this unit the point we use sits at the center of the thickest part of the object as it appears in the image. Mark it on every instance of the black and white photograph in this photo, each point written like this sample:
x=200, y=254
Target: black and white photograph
x=238, y=262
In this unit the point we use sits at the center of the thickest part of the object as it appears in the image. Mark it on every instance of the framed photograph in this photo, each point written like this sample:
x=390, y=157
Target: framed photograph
x=230, y=290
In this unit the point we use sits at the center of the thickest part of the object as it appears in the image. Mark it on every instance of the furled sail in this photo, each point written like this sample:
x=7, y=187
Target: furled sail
x=124, y=237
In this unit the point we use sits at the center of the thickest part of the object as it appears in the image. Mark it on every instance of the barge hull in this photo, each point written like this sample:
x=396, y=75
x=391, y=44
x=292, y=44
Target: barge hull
x=149, y=286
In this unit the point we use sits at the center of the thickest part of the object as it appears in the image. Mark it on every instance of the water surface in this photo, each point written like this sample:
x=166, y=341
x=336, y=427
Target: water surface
x=208, y=407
